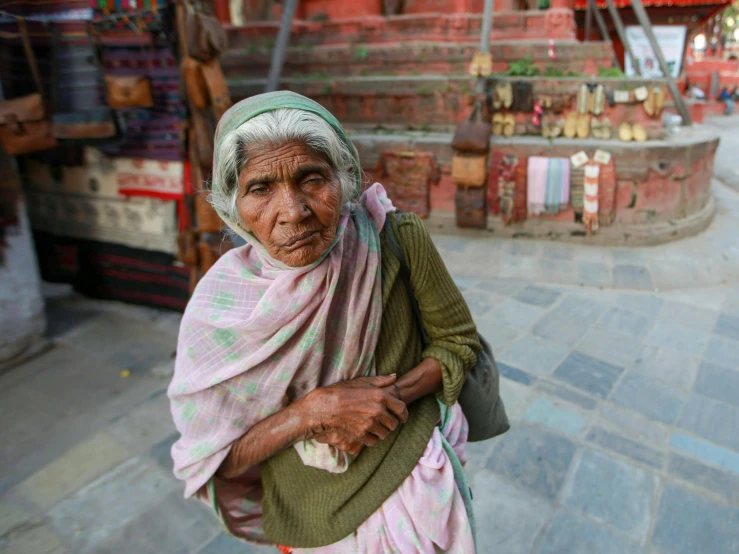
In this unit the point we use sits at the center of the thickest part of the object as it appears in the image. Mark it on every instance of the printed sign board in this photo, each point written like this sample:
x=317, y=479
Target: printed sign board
x=671, y=39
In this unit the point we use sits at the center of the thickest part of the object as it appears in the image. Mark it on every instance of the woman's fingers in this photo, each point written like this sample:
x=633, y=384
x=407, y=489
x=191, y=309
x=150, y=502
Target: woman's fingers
x=388, y=421
x=355, y=449
x=341, y=442
x=381, y=380
x=397, y=407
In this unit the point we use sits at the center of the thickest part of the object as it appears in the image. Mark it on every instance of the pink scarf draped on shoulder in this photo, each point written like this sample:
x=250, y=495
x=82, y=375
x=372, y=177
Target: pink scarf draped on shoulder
x=257, y=335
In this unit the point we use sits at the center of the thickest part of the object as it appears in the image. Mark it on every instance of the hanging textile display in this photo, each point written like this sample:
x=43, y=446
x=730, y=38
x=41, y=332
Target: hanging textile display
x=155, y=126
x=590, y=204
x=408, y=177
x=558, y=185
x=507, y=186
x=85, y=204
x=152, y=178
x=577, y=189
x=536, y=184
x=113, y=271
x=548, y=185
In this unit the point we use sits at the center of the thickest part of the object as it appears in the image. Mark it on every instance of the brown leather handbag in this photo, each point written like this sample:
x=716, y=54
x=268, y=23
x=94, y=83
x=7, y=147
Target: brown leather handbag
x=205, y=36
x=473, y=135
x=187, y=248
x=215, y=84
x=194, y=83
x=208, y=219
x=24, y=123
x=204, y=130
x=123, y=91
x=129, y=91
x=469, y=170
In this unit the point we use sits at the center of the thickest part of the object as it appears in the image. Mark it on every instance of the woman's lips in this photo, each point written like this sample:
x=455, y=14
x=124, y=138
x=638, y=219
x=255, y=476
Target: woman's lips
x=300, y=240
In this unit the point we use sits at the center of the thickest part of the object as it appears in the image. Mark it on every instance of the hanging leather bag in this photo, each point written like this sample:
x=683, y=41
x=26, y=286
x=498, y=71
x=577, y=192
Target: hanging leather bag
x=205, y=36
x=480, y=396
x=194, y=83
x=124, y=91
x=215, y=84
x=473, y=135
x=204, y=130
x=470, y=170
x=24, y=123
x=128, y=91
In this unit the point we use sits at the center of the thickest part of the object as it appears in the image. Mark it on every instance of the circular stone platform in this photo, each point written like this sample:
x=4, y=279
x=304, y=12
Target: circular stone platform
x=654, y=192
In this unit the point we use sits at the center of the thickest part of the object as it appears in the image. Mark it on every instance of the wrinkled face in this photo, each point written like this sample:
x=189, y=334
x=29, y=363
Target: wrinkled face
x=289, y=199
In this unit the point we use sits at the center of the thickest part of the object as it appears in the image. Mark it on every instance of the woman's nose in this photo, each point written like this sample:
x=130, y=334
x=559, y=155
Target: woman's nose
x=293, y=208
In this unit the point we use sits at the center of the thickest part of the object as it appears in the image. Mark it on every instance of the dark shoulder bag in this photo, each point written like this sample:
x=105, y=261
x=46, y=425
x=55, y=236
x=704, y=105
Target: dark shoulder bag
x=480, y=396
x=473, y=135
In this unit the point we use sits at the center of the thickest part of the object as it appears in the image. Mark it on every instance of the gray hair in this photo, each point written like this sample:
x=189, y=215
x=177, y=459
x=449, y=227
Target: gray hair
x=277, y=127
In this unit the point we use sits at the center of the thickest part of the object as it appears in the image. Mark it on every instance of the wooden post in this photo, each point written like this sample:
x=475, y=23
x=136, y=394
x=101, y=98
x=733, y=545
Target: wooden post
x=487, y=26
x=603, y=30
x=622, y=36
x=283, y=38
x=589, y=20
x=641, y=15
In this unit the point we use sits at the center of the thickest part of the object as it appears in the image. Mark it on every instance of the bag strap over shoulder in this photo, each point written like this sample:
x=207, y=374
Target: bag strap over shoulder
x=405, y=273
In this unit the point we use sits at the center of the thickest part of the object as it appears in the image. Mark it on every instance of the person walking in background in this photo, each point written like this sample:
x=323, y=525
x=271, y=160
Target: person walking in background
x=728, y=100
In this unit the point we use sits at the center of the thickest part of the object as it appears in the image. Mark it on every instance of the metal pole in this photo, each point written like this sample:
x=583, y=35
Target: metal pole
x=283, y=37
x=487, y=25
x=641, y=15
x=604, y=30
x=622, y=35
x=589, y=20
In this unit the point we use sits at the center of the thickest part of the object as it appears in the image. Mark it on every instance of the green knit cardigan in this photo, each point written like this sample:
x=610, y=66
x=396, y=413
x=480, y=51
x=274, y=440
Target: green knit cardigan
x=308, y=507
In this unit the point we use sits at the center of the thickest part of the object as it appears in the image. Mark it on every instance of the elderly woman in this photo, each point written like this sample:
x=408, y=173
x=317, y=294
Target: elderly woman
x=311, y=414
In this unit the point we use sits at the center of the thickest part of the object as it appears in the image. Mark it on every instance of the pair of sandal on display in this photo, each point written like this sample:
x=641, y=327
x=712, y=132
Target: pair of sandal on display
x=504, y=124
x=655, y=101
x=577, y=125
x=591, y=98
x=517, y=96
x=628, y=132
x=556, y=103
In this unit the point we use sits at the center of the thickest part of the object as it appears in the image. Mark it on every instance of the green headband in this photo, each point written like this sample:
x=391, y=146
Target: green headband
x=251, y=107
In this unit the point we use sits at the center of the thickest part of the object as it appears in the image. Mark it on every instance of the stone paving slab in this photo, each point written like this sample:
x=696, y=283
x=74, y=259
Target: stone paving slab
x=520, y=514
x=35, y=539
x=574, y=534
x=105, y=505
x=687, y=523
x=71, y=471
x=611, y=492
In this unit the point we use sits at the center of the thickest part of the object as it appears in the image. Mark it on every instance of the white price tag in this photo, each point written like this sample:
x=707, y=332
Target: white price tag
x=579, y=159
x=602, y=157
x=621, y=96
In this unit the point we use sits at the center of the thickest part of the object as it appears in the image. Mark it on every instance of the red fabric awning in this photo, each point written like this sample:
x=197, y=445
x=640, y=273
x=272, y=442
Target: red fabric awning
x=582, y=4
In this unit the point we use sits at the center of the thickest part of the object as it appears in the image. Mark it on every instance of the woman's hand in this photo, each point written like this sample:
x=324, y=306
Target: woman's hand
x=339, y=441
x=355, y=413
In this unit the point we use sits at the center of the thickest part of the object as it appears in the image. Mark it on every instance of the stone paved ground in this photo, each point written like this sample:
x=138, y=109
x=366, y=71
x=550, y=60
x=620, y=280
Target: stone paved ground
x=620, y=373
